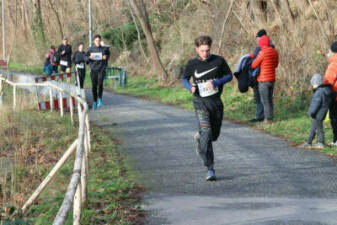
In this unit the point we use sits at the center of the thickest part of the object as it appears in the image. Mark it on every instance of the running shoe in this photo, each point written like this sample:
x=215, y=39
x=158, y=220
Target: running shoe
x=100, y=102
x=334, y=144
x=210, y=175
x=94, y=105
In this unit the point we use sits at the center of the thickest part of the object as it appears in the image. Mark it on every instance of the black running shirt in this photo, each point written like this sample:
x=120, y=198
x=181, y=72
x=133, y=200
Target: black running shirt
x=215, y=67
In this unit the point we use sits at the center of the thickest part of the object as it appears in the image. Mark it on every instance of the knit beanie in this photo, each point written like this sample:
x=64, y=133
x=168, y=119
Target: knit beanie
x=261, y=33
x=334, y=47
x=264, y=41
x=316, y=80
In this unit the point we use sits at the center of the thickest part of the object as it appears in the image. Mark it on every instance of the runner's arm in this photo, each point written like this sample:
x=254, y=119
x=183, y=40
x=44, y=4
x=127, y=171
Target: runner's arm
x=186, y=83
x=185, y=80
x=227, y=75
x=225, y=79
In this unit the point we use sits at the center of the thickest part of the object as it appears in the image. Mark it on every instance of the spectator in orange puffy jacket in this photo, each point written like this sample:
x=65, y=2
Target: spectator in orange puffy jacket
x=331, y=78
x=267, y=59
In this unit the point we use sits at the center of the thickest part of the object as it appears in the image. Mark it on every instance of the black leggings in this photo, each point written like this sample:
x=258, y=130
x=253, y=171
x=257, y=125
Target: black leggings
x=97, y=78
x=81, y=76
x=333, y=118
x=209, y=113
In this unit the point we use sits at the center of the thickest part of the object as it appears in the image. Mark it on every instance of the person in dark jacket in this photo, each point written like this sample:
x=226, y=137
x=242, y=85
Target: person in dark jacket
x=65, y=52
x=318, y=109
x=49, y=56
x=79, y=59
x=259, y=115
x=268, y=61
x=97, y=56
x=209, y=74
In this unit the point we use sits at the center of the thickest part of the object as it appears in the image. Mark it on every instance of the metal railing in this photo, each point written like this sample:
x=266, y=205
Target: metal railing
x=116, y=73
x=76, y=194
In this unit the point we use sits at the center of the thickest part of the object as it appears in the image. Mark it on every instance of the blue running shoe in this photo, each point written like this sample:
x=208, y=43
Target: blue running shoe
x=100, y=102
x=94, y=105
x=210, y=175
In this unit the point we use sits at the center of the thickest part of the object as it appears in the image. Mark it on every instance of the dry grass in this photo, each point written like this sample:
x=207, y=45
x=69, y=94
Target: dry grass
x=33, y=141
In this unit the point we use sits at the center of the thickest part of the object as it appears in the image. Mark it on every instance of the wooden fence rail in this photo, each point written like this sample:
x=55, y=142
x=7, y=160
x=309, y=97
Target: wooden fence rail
x=76, y=194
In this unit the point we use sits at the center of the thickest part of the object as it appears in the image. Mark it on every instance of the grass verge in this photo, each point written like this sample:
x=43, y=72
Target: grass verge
x=290, y=123
x=36, y=140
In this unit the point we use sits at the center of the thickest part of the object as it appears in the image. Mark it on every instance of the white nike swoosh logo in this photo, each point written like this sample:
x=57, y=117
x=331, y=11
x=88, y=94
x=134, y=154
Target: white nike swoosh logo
x=198, y=75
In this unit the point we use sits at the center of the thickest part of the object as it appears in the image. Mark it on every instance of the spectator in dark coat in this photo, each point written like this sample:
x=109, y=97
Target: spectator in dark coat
x=318, y=109
x=49, y=56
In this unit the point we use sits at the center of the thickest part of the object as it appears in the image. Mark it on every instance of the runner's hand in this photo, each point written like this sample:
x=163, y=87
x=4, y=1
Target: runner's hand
x=104, y=57
x=91, y=56
x=193, y=89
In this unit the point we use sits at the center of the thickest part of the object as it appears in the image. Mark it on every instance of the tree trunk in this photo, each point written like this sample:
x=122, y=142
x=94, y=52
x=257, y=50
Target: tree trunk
x=37, y=26
x=286, y=6
x=57, y=18
x=259, y=10
x=138, y=32
x=141, y=14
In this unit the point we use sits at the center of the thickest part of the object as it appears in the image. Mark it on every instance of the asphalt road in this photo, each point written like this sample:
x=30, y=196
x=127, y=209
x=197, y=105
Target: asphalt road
x=261, y=180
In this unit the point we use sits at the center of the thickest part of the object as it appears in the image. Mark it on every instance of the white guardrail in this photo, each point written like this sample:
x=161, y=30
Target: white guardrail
x=76, y=194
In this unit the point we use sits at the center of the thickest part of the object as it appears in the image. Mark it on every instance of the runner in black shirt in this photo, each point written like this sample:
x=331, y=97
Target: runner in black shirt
x=98, y=56
x=65, y=52
x=209, y=73
x=79, y=58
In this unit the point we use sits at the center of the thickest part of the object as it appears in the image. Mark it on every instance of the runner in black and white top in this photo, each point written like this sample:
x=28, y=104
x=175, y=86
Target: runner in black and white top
x=97, y=56
x=209, y=73
x=65, y=52
x=79, y=58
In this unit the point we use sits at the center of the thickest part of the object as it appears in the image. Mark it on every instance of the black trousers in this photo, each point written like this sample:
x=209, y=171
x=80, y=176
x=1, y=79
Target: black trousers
x=81, y=76
x=55, y=69
x=333, y=118
x=97, y=78
x=209, y=113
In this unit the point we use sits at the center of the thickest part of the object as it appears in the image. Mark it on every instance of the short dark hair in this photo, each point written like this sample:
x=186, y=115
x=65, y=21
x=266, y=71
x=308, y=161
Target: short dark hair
x=97, y=36
x=203, y=40
x=81, y=43
x=52, y=47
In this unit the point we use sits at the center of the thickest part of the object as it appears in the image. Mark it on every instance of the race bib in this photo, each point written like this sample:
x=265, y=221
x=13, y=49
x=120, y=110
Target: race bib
x=205, y=91
x=63, y=63
x=80, y=66
x=97, y=56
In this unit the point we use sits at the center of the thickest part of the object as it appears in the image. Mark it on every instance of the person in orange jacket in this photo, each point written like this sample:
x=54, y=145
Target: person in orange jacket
x=330, y=77
x=268, y=61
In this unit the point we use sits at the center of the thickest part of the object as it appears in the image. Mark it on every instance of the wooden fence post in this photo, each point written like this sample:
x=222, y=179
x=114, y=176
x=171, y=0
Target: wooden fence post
x=61, y=103
x=51, y=99
x=50, y=176
x=77, y=205
x=14, y=97
x=37, y=98
x=87, y=123
x=71, y=109
x=84, y=171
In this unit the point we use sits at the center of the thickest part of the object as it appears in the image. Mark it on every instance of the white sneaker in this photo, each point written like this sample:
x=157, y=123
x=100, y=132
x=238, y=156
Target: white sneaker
x=334, y=143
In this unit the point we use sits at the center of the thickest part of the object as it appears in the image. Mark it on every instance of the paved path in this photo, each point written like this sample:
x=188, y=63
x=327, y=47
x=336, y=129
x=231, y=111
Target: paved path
x=261, y=180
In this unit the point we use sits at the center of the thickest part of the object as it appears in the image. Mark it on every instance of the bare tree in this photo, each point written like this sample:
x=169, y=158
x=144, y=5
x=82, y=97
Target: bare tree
x=259, y=10
x=138, y=33
x=51, y=4
x=141, y=13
